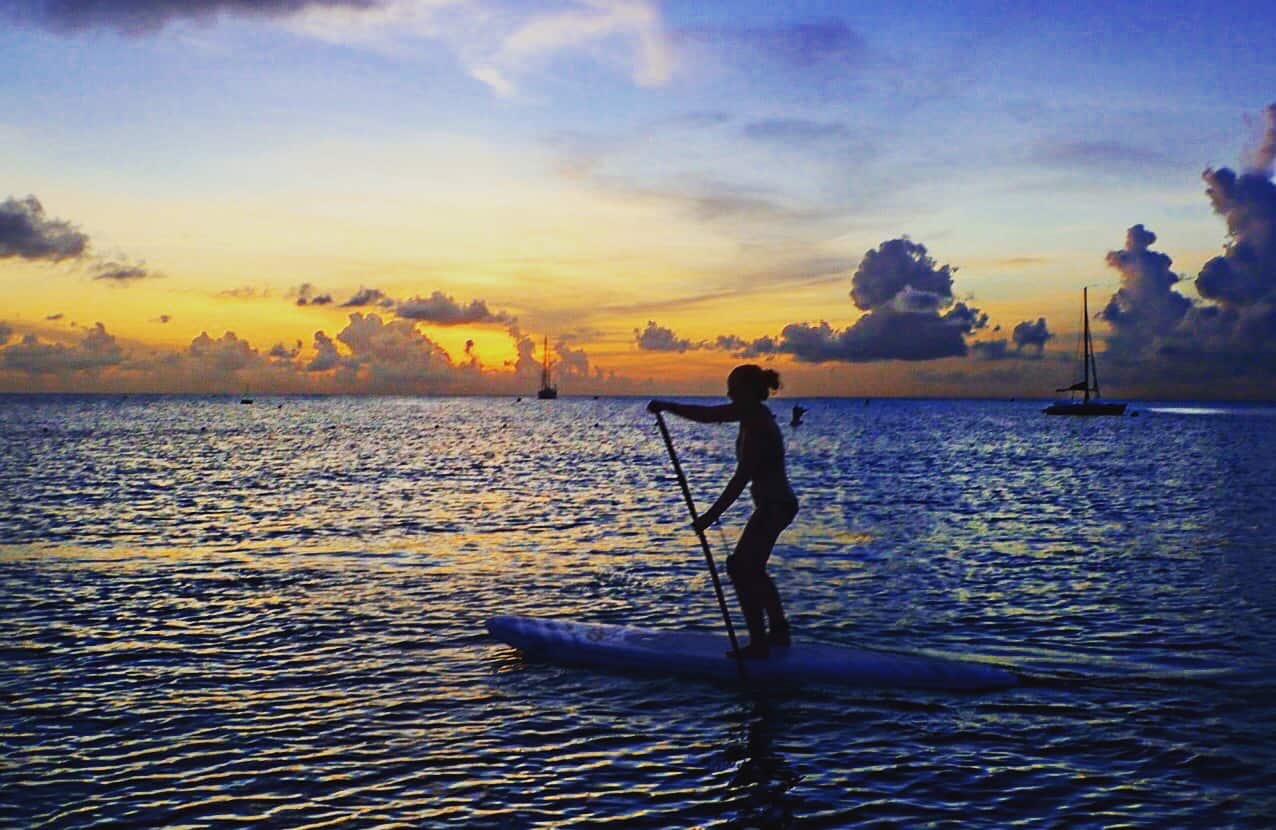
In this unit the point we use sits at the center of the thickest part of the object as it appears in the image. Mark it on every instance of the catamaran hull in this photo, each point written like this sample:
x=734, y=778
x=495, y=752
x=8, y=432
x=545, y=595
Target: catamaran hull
x=1065, y=408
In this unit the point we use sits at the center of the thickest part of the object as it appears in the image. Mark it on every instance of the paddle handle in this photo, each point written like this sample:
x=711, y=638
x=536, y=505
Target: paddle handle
x=704, y=545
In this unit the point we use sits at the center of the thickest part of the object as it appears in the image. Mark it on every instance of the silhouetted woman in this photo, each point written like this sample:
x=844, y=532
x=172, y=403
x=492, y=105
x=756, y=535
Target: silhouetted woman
x=759, y=451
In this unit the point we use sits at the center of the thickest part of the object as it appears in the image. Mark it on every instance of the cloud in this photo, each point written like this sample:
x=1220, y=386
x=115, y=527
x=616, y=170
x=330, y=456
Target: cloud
x=284, y=353
x=327, y=356
x=903, y=292
x=6, y=332
x=1262, y=157
x=163, y=318
x=442, y=310
x=501, y=44
x=57, y=316
x=1032, y=335
x=885, y=334
x=656, y=338
x=27, y=233
x=897, y=265
x=1100, y=155
x=306, y=295
x=1145, y=306
x=1028, y=338
x=1158, y=332
x=95, y=351
x=1246, y=272
x=244, y=292
x=120, y=273
x=369, y=296
x=224, y=355
x=390, y=354
x=740, y=347
x=137, y=17
x=572, y=363
x=634, y=27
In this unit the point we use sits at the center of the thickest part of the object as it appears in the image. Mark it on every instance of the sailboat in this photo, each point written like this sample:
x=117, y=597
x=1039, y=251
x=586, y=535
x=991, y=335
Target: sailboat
x=547, y=392
x=1089, y=404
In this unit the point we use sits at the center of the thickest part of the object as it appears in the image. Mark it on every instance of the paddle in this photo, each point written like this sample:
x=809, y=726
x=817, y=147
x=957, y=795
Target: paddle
x=704, y=544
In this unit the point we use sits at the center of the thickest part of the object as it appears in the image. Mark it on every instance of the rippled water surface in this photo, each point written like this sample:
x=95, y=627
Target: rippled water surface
x=272, y=615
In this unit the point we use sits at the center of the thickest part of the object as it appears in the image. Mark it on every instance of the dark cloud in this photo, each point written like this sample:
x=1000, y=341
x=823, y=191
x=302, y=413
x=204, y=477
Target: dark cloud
x=1246, y=272
x=96, y=350
x=1032, y=335
x=1160, y=334
x=26, y=232
x=442, y=310
x=1028, y=340
x=895, y=266
x=145, y=16
x=284, y=353
x=120, y=273
x=884, y=334
x=1145, y=306
x=739, y=347
x=911, y=315
x=369, y=296
x=163, y=318
x=306, y=294
x=655, y=338
x=57, y=316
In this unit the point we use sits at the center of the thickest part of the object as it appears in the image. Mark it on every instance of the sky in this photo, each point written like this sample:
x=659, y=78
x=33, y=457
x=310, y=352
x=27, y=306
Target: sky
x=411, y=196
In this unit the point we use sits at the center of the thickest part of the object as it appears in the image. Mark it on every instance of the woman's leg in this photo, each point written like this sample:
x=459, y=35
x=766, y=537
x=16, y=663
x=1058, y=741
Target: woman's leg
x=746, y=575
x=781, y=517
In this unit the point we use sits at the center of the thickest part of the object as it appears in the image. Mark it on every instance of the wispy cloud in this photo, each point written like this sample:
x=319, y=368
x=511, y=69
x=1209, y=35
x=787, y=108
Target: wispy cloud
x=1103, y=155
x=501, y=43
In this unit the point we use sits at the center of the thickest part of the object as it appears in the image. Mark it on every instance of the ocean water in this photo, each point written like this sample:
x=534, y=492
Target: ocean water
x=215, y=615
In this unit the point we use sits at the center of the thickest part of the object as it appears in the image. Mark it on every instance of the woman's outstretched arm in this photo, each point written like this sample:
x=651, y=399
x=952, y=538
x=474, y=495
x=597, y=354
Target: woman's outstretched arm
x=720, y=414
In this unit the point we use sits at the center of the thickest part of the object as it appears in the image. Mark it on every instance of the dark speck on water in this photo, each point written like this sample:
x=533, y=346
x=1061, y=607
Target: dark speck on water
x=217, y=615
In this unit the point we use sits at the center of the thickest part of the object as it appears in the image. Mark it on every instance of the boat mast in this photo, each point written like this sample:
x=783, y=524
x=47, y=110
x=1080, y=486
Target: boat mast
x=545, y=366
x=1085, y=310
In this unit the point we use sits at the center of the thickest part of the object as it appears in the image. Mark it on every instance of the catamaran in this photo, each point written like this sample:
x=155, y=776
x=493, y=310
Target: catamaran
x=1089, y=404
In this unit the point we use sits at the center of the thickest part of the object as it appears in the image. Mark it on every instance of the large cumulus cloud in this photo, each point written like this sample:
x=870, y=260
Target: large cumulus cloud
x=911, y=314
x=96, y=350
x=1235, y=327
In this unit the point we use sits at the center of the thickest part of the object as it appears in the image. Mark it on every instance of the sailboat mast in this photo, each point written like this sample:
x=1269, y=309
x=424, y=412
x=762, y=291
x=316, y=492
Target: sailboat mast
x=1085, y=312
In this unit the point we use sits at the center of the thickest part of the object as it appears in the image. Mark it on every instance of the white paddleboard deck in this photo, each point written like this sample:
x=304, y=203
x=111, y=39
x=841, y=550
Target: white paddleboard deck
x=705, y=655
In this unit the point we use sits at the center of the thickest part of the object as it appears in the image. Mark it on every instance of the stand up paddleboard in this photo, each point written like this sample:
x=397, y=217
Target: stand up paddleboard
x=699, y=654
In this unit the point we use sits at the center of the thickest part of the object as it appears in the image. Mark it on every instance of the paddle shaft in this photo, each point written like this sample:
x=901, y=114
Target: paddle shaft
x=704, y=545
